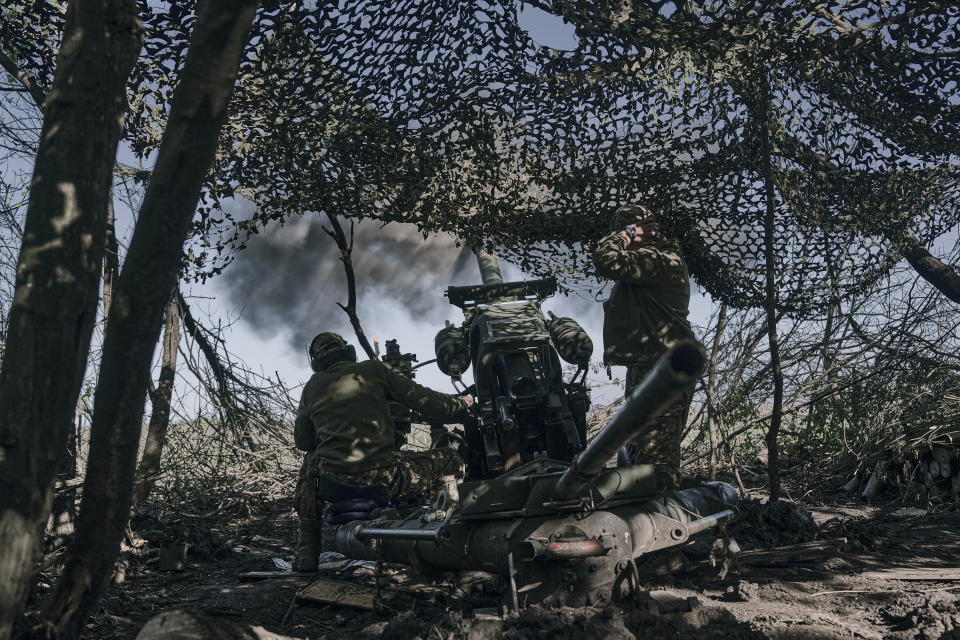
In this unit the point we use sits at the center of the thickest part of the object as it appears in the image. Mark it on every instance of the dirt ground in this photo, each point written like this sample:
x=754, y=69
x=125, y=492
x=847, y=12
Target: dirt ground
x=839, y=598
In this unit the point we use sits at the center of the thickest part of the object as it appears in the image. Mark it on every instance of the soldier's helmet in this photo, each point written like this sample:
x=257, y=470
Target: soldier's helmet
x=628, y=214
x=327, y=348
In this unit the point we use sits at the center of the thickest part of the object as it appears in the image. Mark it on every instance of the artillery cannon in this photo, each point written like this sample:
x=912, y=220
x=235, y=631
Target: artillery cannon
x=561, y=533
x=539, y=505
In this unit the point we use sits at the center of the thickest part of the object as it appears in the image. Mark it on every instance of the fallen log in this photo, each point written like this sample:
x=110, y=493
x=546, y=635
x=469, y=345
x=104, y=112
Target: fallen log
x=874, y=484
x=179, y=624
x=803, y=552
x=852, y=485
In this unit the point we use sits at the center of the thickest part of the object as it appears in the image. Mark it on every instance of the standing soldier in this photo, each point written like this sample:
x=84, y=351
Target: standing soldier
x=344, y=423
x=645, y=315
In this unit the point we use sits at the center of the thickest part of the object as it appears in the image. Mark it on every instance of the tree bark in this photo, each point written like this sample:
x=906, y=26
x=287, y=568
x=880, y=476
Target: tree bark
x=776, y=415
x=160, y=400
x=56, y=293
x=148, y=276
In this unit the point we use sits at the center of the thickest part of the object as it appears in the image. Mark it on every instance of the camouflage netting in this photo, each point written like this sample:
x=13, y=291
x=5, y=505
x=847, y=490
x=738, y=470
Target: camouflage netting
x=810, y=137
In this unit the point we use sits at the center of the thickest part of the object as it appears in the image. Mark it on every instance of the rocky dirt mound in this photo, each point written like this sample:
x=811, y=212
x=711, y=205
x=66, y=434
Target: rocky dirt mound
x=202, y=544
x=934, y=616
x=610, y=623
x=861, y=536
x=772, y=524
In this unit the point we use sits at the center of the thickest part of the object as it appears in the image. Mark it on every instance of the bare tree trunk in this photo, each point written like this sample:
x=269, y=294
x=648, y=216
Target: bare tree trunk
x=148, y=276
x=346, y=257
x=826, y=357
x=63, y=516
x=711, y=389
x=55, y=300
x=776, y=417
x=160, y=400
x=111, y=259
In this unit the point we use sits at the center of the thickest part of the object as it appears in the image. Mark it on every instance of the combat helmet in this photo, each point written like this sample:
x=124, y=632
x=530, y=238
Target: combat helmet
x=327, y=348
x=628, y=214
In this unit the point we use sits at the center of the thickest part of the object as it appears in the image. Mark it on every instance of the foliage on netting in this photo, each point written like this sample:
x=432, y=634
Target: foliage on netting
x=30, y=35
x=814, y=133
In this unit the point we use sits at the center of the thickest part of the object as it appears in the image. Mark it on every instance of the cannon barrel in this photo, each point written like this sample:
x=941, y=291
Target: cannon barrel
x=489, y=266
x=676, y=369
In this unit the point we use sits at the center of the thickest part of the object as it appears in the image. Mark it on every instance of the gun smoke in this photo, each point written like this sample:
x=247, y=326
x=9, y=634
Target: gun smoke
x=290, y=278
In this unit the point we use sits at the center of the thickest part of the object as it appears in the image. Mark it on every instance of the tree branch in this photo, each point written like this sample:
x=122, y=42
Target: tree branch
x=21, y=76
x=941, y=275
x=346, y=257
x=209, y=351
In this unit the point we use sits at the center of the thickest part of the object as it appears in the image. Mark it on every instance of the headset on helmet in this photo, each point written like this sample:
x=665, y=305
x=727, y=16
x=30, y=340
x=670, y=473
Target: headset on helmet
x=327, y=348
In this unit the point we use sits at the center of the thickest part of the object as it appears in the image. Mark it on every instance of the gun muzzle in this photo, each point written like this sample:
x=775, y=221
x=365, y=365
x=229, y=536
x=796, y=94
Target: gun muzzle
x=489, y=266
x=676, y=369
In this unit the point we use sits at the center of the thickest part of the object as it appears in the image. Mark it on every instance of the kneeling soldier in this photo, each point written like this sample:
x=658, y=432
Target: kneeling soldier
x=344, y=422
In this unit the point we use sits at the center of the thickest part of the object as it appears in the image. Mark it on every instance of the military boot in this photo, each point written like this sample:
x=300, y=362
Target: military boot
x=308, y=546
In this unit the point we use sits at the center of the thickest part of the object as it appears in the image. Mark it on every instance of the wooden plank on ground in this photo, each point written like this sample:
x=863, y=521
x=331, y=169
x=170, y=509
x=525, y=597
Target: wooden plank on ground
x=933, y=574
x=253, y=576
x=348, y=594
x=804, y=552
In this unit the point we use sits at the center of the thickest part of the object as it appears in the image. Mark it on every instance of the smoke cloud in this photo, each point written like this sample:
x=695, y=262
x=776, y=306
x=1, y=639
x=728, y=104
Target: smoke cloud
x=286, y=284
x=290, y=278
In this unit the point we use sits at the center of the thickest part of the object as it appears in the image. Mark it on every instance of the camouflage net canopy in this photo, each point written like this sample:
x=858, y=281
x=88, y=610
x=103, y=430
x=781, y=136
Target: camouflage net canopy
x=811, y=137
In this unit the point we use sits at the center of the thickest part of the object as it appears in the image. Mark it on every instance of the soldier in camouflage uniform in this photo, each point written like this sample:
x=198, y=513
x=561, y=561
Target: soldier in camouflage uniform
x=645, y=315
x=344, y=423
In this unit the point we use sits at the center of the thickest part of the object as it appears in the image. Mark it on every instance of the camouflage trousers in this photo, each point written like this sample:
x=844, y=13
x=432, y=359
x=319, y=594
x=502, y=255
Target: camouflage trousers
x=305, y=494
x=414, y=472
x=660, y=444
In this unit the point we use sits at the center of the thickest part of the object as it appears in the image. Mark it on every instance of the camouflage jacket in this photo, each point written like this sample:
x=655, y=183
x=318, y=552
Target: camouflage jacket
x=647, y=308
x=344, y=414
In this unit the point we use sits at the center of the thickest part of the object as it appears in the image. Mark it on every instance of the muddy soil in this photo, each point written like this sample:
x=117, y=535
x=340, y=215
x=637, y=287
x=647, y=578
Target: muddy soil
x=844, y=597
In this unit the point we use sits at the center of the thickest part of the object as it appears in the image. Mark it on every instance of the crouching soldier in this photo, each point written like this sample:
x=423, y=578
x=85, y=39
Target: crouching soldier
x=344, y=423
